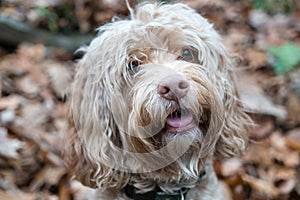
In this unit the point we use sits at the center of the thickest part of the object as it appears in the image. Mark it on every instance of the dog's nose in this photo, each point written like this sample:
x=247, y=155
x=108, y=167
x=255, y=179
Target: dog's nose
x=173, y=87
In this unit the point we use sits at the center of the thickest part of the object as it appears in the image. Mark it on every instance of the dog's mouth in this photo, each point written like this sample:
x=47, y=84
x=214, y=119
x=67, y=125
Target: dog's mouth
x=179, y=121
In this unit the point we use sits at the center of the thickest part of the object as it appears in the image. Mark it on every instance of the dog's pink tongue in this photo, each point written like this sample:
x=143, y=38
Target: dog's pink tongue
x=177, y=122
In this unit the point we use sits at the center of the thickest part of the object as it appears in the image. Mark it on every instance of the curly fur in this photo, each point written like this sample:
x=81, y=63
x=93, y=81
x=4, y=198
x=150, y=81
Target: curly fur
x=117, y=133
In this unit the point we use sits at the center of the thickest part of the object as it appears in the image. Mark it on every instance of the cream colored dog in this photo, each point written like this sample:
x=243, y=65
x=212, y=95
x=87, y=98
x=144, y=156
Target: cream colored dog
x=151, y=104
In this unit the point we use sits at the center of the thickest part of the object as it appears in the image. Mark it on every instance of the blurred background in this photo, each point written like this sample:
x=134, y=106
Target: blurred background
x=37, y=41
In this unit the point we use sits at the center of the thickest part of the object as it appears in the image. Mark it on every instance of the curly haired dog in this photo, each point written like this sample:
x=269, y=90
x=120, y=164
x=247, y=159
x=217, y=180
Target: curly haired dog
x=151, y=104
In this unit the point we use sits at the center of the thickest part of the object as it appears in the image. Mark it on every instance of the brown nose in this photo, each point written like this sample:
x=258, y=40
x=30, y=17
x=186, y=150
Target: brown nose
x=173, y=87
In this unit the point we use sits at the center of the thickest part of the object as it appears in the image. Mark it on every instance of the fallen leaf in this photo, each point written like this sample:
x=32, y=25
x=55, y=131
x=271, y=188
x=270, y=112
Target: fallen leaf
x=263, y=126
x=293, y=107
x=231, y=167
x=293, y=139
x=9, y=147
x=17, y=195
x=235, y=40
x=255, y=58
x=280, y=150
x=28, y=86
x=287, y=186
x=11, y=102
x=258, y=19
x=263, y=158
x=32, y=52
x=277, y=141
x=7, y=116
x=37, y=111
x=60, y=78
x=254, y=99
x=48, y=175
x=261, y=186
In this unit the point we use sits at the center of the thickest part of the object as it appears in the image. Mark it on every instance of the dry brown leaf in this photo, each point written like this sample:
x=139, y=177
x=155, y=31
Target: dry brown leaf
x=263, y=126
x=83, y=14
x=258, y=19
x=254, y=99
x=48, y=175
x=64, y=191
x=277, y=141
x=261, y=186
x=239, y=192
x=297, y=188
x=293, y=139
x=32, y=52
x=293, y=107
x=9, y=147
x=276, y=173
x=59, y=112
x=231, y=167
x=60, y=78
x=255, y=58
x=12, y=65
x=7, y=116
x=292, y=160
x=35, y=114
x=280, y=151
x=211, y=3
x=287, y=186
x=28, y=86
x=283, y=173
x=17, y=195
x=55, y=159
x=283, y=177
x=263, y=158
x=235, y=40
x=11, y=102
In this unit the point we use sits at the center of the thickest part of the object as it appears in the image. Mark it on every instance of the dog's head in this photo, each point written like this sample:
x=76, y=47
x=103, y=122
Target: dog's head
x=153, y=94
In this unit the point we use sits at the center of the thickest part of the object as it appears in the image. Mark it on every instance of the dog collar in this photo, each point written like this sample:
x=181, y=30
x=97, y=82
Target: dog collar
x=157, y=193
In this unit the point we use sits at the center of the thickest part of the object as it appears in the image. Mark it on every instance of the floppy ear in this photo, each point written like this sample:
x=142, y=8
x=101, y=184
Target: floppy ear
x=234, y=137
x=93, y=135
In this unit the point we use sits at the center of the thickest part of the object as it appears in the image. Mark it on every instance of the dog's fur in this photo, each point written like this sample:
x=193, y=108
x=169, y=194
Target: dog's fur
x=119, y=121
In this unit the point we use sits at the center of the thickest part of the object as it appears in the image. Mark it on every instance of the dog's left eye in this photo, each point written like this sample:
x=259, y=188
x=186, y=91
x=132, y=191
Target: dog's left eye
x=134, y=66
x=189, y=55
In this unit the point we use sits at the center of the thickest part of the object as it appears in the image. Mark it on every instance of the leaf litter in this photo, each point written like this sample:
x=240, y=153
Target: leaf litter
x=34, y=80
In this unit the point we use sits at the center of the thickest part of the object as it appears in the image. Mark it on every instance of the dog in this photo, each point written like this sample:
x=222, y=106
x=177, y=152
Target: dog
x=152, y=104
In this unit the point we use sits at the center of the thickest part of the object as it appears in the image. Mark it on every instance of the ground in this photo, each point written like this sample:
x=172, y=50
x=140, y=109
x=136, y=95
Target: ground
x=34, y=79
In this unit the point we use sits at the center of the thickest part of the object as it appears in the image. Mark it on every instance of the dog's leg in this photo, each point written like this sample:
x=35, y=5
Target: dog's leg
x=109, y=195
x=208, y=187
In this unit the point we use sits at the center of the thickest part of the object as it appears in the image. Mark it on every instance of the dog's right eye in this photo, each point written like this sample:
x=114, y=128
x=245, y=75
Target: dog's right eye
x=134, y=66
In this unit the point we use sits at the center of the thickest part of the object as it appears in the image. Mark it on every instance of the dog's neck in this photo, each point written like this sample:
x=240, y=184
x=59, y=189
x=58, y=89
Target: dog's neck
x=157, y=193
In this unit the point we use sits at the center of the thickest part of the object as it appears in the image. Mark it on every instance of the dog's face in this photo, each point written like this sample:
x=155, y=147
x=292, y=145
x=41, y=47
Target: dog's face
x=153, y=95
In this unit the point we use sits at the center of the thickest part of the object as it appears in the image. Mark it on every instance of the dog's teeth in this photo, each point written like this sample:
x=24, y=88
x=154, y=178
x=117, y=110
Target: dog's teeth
x=177, y=114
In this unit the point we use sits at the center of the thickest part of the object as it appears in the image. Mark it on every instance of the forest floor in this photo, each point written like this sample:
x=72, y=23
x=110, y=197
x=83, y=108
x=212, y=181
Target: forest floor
x=34, y=78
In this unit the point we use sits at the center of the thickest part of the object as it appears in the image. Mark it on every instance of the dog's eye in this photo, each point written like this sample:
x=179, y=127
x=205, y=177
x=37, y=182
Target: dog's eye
x=187, y=55
x=190, y=54
x=134, y=66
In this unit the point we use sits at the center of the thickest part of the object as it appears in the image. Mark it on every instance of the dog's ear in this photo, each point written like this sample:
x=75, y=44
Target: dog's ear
x=92, y=139
x=234, y=137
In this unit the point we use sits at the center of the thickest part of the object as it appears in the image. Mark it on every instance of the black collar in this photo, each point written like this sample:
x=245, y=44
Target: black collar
x=157, y=193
